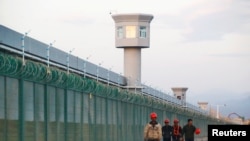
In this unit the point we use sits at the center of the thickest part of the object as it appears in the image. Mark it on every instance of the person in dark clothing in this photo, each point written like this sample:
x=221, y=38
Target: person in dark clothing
x=167, y=131
x=177, y=131
x=189, y=130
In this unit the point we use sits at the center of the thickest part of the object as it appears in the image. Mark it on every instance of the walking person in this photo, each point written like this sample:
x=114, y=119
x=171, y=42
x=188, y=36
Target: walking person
x=152, y=130
x=177, y=131
x=167, y=131
x=189, y=130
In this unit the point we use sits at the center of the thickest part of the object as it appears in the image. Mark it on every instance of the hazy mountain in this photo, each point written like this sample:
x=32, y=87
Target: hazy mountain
x=235, y=102
x=240, y=107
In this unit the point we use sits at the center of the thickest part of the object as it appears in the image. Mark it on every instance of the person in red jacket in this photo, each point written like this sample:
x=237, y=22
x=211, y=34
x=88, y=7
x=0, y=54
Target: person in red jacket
x=177, y=131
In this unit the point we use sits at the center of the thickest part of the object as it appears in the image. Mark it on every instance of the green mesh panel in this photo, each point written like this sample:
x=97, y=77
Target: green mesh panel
x=48, y=104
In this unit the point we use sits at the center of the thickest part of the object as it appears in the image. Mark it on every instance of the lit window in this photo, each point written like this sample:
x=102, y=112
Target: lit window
x=143, y=32
x=119, y=32
x=130, y=31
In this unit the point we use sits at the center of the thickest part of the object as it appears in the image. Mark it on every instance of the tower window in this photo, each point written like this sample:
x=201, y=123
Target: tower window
x=119, y=32
x=143, y=32
x=130, y=31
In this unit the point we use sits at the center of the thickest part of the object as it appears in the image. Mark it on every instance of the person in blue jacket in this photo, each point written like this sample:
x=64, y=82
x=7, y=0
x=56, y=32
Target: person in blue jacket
x=167, y=131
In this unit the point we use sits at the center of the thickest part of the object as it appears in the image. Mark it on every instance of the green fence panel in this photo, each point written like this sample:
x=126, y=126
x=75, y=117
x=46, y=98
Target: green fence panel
x=38, y=103
x=2, y=109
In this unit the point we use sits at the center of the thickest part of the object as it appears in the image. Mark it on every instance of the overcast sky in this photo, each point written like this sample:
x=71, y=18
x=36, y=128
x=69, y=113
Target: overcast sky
x=200, y=44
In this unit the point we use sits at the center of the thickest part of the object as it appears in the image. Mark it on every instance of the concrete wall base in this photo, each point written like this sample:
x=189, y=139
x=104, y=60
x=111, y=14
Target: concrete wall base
x=201, y=139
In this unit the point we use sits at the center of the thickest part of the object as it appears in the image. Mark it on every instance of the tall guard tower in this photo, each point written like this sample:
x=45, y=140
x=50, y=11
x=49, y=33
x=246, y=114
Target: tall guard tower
x=132, y=34
x=180, y=93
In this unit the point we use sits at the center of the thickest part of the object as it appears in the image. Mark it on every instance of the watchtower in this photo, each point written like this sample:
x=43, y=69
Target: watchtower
x=132, y=33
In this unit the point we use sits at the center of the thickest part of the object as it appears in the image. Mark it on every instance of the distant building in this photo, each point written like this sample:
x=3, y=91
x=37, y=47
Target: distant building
x=203, y=105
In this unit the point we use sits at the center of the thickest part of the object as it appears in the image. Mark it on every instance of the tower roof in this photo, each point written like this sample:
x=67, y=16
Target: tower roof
x=179, y=88
x=132, y=17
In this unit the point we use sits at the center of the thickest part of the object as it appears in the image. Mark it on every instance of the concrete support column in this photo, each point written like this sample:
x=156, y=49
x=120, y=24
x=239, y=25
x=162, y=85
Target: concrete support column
x=132, y=66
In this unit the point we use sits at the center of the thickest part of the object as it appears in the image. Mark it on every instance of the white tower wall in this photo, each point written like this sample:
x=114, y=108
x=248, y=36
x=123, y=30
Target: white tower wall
x=132, y=66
